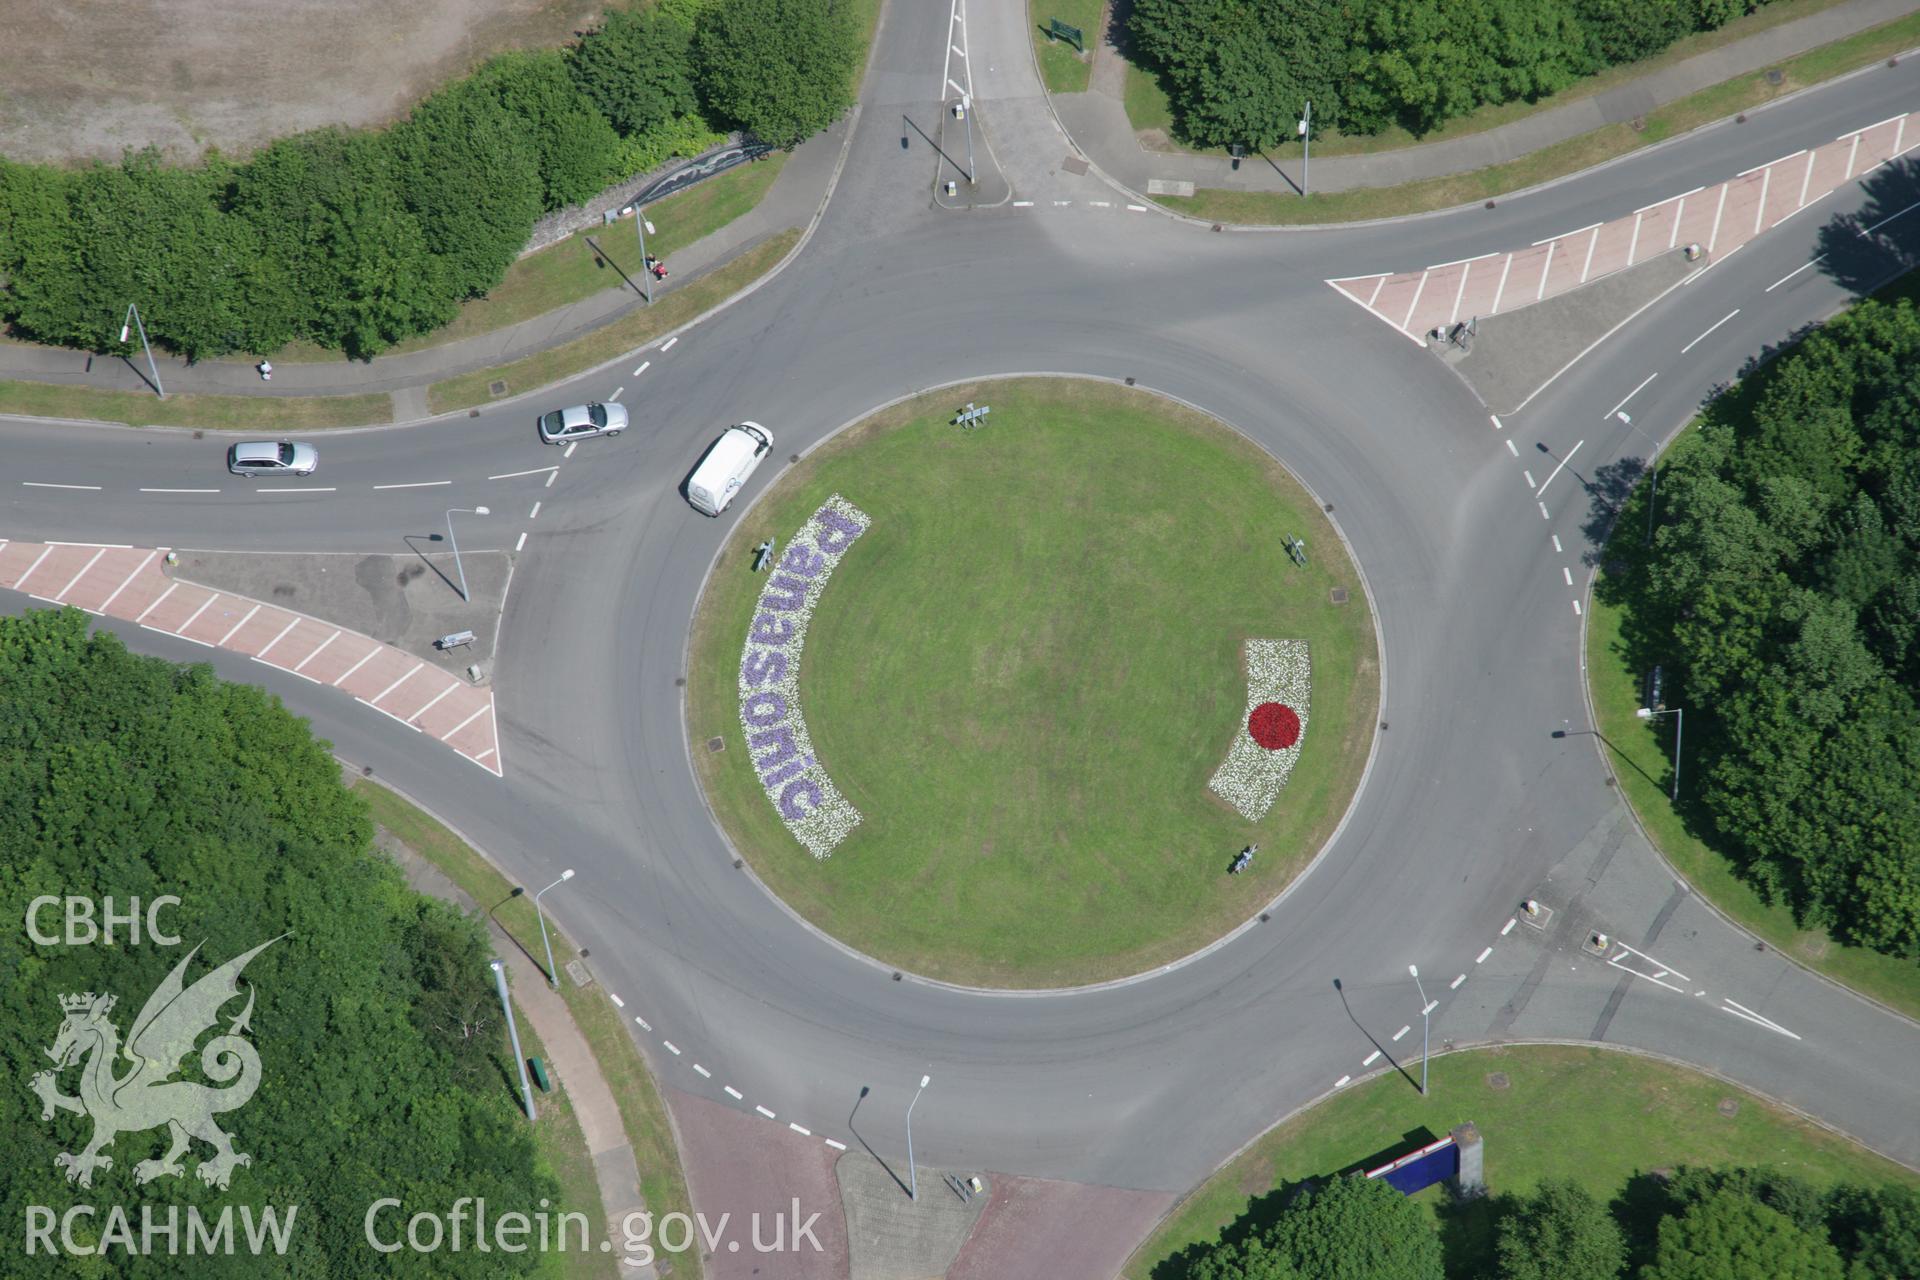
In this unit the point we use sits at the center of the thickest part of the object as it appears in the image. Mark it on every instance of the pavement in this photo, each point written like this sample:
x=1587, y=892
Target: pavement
x=1097, y=119
x=1486, y=786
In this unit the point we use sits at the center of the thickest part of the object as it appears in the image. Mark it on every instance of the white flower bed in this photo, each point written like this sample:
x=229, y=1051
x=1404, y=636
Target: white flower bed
x=1250, y=780
x=796, y=784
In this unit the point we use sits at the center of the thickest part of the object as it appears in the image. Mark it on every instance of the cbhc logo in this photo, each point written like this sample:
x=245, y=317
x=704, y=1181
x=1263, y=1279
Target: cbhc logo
x=83, y=931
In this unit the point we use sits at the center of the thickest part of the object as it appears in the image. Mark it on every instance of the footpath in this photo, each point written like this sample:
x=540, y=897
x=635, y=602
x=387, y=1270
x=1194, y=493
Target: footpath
x=792, y=201
x=1098, y=124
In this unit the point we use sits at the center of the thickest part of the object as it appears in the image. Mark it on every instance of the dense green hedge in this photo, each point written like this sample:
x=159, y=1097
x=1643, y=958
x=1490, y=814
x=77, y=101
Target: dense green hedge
x=384, y=1068
x=357, y=239
x=1239, y=71
x=1782, y=596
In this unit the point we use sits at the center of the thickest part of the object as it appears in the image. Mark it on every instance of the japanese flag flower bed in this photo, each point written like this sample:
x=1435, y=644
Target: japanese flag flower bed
x=796, y=783
x=1279, y=689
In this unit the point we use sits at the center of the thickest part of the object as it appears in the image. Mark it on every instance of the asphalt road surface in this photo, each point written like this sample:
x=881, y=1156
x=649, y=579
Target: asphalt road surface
x=1470, y=804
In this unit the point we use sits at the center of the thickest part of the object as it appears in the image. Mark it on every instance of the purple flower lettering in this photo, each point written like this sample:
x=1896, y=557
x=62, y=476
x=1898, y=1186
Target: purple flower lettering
x=771, y=747
x=785, y=593
x=790, y=798
x=802, y=560
x=766, y=666
x=837, y=532
x=768, y=629
x=764, y=709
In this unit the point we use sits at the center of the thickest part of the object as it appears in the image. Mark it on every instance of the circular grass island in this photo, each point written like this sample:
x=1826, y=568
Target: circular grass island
x=985, y=716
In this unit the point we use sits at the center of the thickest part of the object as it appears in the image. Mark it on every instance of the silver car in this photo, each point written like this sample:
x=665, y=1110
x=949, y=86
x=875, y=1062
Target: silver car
x=582, y=422
x=272, y=458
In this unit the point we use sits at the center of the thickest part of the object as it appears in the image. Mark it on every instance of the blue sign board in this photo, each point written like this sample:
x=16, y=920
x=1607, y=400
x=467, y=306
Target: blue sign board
x=1418, y=1170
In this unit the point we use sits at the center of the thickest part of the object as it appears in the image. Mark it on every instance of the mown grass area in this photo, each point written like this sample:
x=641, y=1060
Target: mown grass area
x=1601, y=1117
x=571, y=270
x=1025, y=673
x=1149, y=109
x=1571, y=156
x=635, y=329
x=1155, y=112
x=216, y=413
x=1064, y=70
x=642, y=1112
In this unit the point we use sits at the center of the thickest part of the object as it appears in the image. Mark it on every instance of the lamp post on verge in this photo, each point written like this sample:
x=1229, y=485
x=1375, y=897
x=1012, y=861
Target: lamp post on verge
x=133, y=318
x=1653, y=496
x=913, y=1174
x=457, y=566
x=1426, y=1024
x=553, y=977
x=513, y=1033
x=640, y=228
x=1679, y=728
x=1306, y=145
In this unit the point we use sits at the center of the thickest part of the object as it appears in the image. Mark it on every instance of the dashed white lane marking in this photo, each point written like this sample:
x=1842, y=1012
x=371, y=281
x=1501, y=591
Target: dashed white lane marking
x=1567, y=574
x=1136, y=208
x=1402, y=1031
x=1342, y=1082
x=300, y=489
x=806, y=1133
x=1061, y=204
x=668, y=344
x=1556, y=542
x=1023, y=204
x=522, y=541
x=643, y=367
x=1431, y=1006
x=1791, y=274
x=40, y=484
x=179, y=491
x=618, y=392
x=1455, y=984
x=1529, y=478
x=837, y=1146
x=1543, y=511
x=1739, y=1010
x=703, y=1071
x=1101, y=204
x=1371, y=1058
x=510, y=475
x=1482, y=957
x=734, y=1093
x=416, y=484
x=552, y=476
x=1630, y=395
x=1576, y=608
x=567, y=454
x=763, y=1111
x=1496, y=421
x=644, y=1024
x=1508, y=927
x=535, y=513
x=672, y=1048
x=1510, y=449
x=1710, y=328
x=618, y=1003
x=1663, y=971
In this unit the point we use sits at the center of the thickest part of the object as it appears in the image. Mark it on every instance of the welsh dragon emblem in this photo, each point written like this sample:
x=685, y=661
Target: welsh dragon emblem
x=145, y=1094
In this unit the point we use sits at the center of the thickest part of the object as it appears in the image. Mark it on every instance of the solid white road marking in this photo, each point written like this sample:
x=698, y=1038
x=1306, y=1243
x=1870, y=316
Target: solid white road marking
x=1458, y=261
x=1501, y=292
x=1718, y=209
x=1768, y=165
x=1680, y=212
x=1402, y=1031
x=137, y=570
x=37, y=484
x=1853, y=153
x=1461, y=292
x=395, y=685
x=477, y=713
x=221, y=643
x=1657, y=203
x=197, y=612
x=1710, y=328
x=417, y=484
x=509, y=475
x=1634, y=244
x=75, y=580
x=1806, y=179
x=734, y=1093
x=1417, y=291
x=1455, y=984
x=356, y=666
x=436, y=697
x=1482, y=957
x=1567, y=235
x=1592, y=244
x=1546, y=265
x=1630, y=395
x=1739, y=1010
x=1375, y=295
x=1564, y=461
x=1760, y=210
x=1371, y=1058
x=179, y=491
x=269, y=646
x=957, y=89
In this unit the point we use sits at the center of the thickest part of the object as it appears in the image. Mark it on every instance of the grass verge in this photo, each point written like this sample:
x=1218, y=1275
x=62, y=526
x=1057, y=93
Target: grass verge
x=1024, y=675
x=1571, y=156
x=1601, y=1117
x=563, y=1151
x=641, y=1110
x=216, y=413
x=634, y=329
x=569, y=271
x=1064, y=70
x=1155, y=112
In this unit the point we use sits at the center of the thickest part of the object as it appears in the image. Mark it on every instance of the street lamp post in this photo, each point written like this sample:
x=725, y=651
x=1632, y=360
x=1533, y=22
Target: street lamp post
x=1679, y=715
x=965, y=112
x=1426, y=1024
x=553, y=977
x=132, y=318
x=1306, y=144
x=640, y=228
x=513, y=1033
x=457, y=567
x=913, y=1174
x=1653, y=497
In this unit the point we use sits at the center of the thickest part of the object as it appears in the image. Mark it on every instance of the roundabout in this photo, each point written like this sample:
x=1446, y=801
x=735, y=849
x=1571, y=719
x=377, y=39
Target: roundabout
x=1036, y=720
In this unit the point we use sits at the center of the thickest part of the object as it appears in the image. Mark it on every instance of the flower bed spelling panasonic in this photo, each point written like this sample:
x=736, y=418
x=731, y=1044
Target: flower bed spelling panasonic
x=797, y=785
x=1279, y=689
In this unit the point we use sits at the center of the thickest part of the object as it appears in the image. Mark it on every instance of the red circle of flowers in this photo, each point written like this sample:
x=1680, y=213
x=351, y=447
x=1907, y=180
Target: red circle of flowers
x=1274, y=726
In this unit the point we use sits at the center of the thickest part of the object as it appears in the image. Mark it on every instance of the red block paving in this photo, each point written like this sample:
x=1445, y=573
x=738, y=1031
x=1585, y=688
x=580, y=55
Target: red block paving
x=132, y=583
x=1035, y=1227
x=1720, y=218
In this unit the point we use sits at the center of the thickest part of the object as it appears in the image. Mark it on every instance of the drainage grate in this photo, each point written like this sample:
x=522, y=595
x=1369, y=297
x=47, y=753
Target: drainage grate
x=1074, y=164
x=716, y=744
x=1776, y=76
x=1338, y=595
x=497, y=387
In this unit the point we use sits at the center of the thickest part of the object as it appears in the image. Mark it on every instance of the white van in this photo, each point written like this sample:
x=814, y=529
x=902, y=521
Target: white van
x=726, y=467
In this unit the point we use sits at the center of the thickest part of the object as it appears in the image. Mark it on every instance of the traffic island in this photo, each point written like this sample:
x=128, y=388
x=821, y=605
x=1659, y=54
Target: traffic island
x=980, y=712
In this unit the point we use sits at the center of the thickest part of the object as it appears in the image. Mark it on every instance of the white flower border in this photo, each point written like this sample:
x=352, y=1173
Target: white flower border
x=777, y=741
x=1250, y=780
